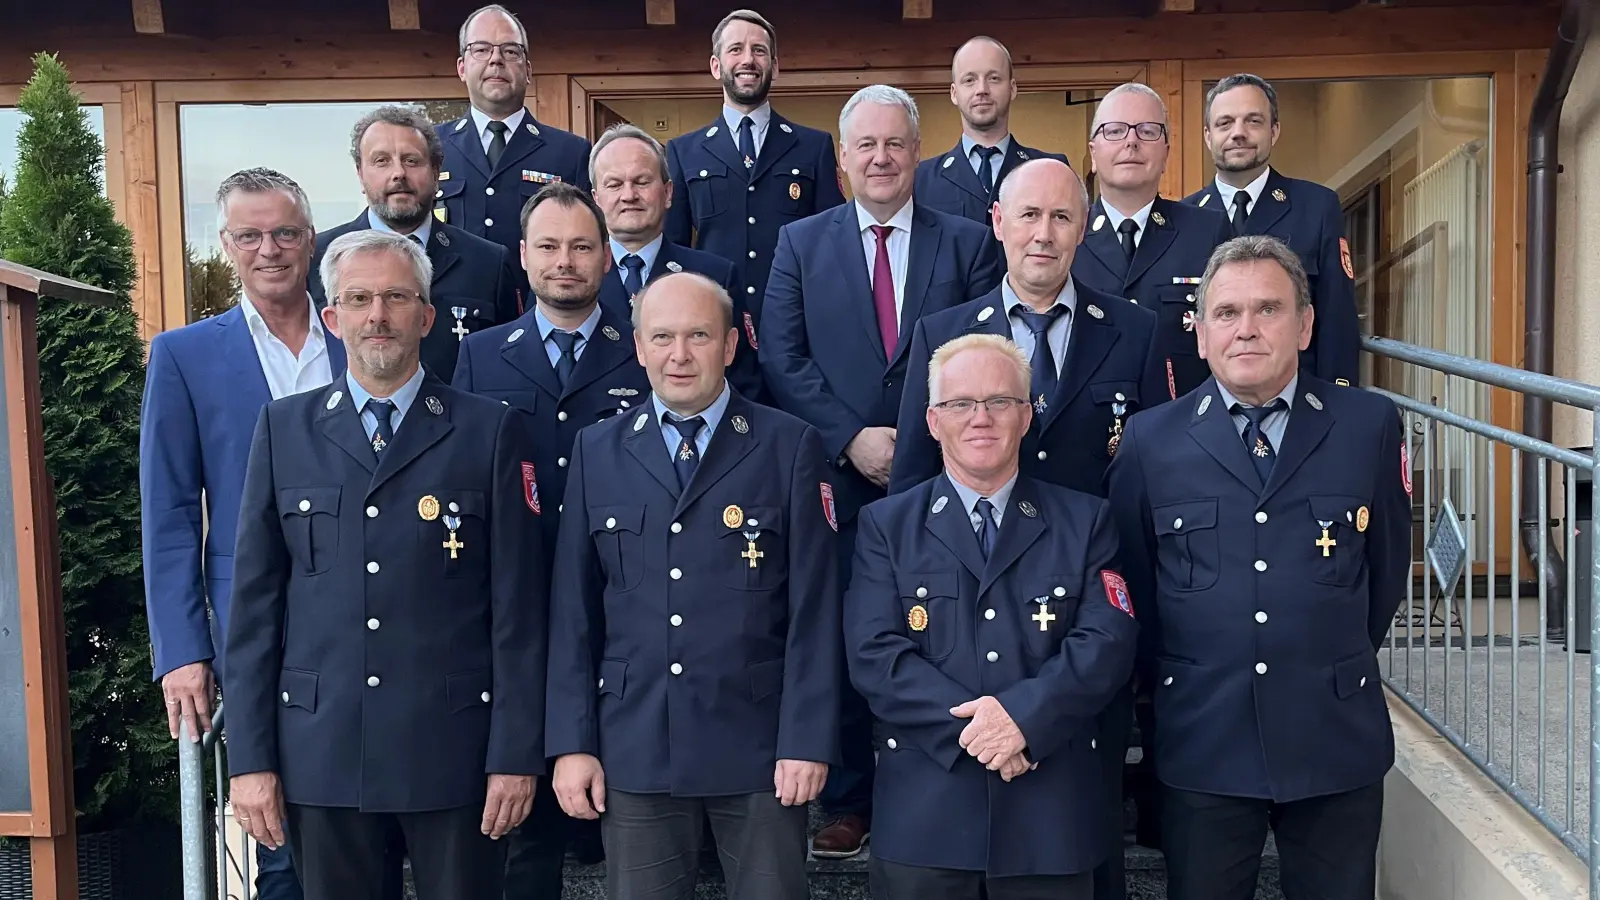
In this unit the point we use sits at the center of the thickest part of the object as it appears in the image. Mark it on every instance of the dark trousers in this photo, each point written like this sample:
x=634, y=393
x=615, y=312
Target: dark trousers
x=344, y=854
x=1327, y=846
x=653, y=845
x=275, y=877
x=536, y=849
x=893, y=881
x=848, y=790
x=1115, y=726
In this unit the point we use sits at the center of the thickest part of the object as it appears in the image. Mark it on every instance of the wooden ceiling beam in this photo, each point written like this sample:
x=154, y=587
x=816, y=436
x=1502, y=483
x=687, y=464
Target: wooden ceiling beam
x=660, y=12
x=916, y=9
x=148, y=17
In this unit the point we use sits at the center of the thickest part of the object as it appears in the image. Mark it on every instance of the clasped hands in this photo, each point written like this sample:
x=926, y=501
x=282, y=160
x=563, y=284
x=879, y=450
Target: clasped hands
x=992, y=738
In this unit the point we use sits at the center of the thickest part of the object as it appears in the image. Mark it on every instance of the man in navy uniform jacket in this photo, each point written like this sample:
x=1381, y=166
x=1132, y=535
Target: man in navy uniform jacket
x=634, y=189
x=738, y=180
x=1142, y=246
x=848, y=286
x=1266, y=529
x=1241, y=128
x=695, y=655
x=397, y=157
x=358, y=703
x=499, y=155
x=966, y=180
x=988, y=627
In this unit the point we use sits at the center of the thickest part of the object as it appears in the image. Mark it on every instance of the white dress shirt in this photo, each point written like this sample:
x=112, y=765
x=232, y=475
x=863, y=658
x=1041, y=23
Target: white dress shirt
x=1140, y=218
x=899, y=249
x=286, y=373
x=481, y=120
x=1255, y=189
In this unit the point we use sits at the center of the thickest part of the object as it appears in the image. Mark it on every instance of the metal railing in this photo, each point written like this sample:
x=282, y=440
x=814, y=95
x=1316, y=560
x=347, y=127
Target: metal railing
x=203, y=878
x=1517, y=700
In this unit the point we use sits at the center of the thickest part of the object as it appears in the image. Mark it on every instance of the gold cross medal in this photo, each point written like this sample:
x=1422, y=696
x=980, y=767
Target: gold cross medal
x=1044, y=616
x=1326, y=543
x=454, y=524
x=751, y=553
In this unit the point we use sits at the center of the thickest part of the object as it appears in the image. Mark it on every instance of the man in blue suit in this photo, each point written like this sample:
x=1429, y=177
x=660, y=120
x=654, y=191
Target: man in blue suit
x=1140, y=245
x=984, y=661
x=695, y=661
x=1266, y=530
x=741, y=178
x=397, y=156
x=633, y=186
x=205, y=385
x=1241, y=127
x=965, y=181
x=848, y=286
x=499, y=155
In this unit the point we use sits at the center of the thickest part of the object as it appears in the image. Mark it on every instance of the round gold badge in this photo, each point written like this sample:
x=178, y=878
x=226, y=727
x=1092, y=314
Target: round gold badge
x=794, y=191
x=733, y=517
x=1361, y=519
x=428, y=508
x=917, y=618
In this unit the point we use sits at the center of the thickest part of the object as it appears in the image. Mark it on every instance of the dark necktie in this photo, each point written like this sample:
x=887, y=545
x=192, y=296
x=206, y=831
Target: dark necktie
x=1044, y=359
x=414, y=239
x=1241, y=200
x=567, y=343
x=1262, y=453
x=1127, y=230
x=633, y=279
x=883, y=292
x=988, y=530
x=497, y=143
x=985, y=167
x=687, y=456
x=747, y=141
x=383, y=410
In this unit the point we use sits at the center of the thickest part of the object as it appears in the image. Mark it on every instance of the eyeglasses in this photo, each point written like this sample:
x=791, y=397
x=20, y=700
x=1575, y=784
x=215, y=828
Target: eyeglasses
x=287, y=237
x=394, y=299
x=483, y=50
x=1118, y=131
x=964, y=408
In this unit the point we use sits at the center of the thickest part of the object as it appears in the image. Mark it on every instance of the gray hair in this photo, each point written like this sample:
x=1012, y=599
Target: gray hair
x=1243, y=79
x=725, y=301
x=1001, y=194
x=400, y=117
x=1255, y=248
x=461, y=37
x=883, y=95
x=622, y=131
x=1131, y=87
x=371, y=240
x=744, y=15
x=994, y=342
x=260, y=181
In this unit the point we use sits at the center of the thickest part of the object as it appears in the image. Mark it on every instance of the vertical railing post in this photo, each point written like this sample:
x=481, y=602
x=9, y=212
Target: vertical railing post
x=1594, y=671
x=191, y=796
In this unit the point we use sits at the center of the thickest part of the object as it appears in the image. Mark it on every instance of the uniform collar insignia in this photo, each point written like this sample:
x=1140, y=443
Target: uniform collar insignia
x=939, y=504
x=334, y=400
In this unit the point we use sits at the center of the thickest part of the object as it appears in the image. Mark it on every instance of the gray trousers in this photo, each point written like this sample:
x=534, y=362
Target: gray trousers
x=893, y=881
x=653, y=845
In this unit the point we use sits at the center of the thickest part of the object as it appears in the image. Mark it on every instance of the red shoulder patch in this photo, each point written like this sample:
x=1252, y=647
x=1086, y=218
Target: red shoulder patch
x=530, y=487
x=750, y=331
x=1117, y=591
x=828, y=507
x=1405, y=466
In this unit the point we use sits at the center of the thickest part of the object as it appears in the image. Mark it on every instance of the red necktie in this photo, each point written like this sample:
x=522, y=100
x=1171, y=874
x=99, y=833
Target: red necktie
x=883, y=292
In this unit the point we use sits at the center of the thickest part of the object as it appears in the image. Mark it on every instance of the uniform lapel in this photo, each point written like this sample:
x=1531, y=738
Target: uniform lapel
x=957, y=169
x=1016, y=155
x=1158, y=236
x=469, y=144
x=420, y=429
x=1268, y=208
x=728, y=447
x=925, y=237
x=780, y=138
x=1210, y=198
x=520, y=144
x=948, y=521
x=644, y=443
x=1211, y=426
x=526, y=354
x=1308, y=425
x=1103, y=243
x=725, y=146
x=1020, y=526
x=601, y=353
x=852, y=260
x=1088, y=344
x=341, y=424
x=441, y=253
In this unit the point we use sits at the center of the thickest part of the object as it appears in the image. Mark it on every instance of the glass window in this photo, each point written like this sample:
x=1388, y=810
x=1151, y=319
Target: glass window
x=11, y=121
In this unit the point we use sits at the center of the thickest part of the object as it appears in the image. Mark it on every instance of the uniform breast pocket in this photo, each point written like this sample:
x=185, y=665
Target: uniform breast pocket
x=473, y=314
x=1049, y=609
x=311, y=526
x=754, y=552
x=1336, y=532
x=1115, y=401
x=455, y=531
x=708, y=190
x=618, y=535
x=1175, y=316
x=447, y=202
x=930, y=604
x=1186, y=539
x=795, y=188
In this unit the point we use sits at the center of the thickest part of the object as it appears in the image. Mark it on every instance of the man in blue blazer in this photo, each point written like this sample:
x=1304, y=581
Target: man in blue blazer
x=633, y=186
x=739, y=179
x=499, y=155
x=848, y=286
x=1142, y=246
x=1241, y=128
x=397, y=156
x=205, y=386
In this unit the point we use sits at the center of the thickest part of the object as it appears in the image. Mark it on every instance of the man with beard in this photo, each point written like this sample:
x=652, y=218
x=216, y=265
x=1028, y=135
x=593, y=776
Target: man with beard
x=1241, y=128
x=359, y=703
x=397, y=156
x=499, y=155
x=570, y=362
x=966, y=180
x=747, y=174
x=1143, y=246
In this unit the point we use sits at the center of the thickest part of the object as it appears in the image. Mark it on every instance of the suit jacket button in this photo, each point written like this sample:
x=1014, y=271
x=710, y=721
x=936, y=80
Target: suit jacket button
x=922, y=593
x=993, y=656
x=1261, y=668
x=372, y=512
x=602, y=682
x=750, y=289
x=286, y=696
x=892, y=745
x=677, y=527
x=1177, y=524
x=489, y=191
x=305, y=505
x=611, y=523
x=1094, y=744
x=1060, y=591
x=1363, y=682
x=752, y=220
x=752, y=254
x=676, y=620
x=561, y=416
x=1166, y=681
x=676, y=574
x=562, y=462
x=372, y=624
x=1261, y=617
x=372, y=567
x=488, y=223
x=751, y=189
x=1261, y=565
x=988, y=614
x=372, y=681
x=677, y=668
x=1261, y=517
x=484, y=696
x=1043, y=455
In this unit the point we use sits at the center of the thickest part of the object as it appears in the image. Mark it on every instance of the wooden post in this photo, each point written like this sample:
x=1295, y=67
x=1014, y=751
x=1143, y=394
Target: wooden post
x=35, y=729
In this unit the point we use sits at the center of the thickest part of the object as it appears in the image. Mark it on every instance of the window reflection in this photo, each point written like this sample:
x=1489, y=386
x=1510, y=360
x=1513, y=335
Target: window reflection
x=11, y=122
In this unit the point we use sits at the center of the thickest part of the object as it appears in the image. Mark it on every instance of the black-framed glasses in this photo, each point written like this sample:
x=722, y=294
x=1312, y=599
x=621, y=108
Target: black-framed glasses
x=483, y=50
x=963, y=407
x=1118, y=131
x=287, y=237
x=393, y=299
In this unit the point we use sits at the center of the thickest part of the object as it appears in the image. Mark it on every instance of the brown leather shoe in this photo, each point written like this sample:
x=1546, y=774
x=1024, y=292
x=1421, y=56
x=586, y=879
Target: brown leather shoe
x=841, y=837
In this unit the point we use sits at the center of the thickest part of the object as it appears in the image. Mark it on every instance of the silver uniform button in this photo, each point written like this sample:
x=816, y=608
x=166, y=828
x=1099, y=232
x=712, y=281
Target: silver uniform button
x=1166, y=681
x=602, y=682
x=1363, y=681
x=562, y=462
x=1261, y=668
x=1043, y=455
x=892, y=744
x=1261, y=565
x=677, y=668
x=1261, y=517
x=1261, y=617
x=750, y=289
x=1060, y=592
x=372, y=624
x=752, y=254
x=372, y=681
x=676, y=620
x=372, y=512
x=484, y=696
x=286, y=696
x=988, y=614
x=677, y=527
x=454, y=507
x=751, y=188
x=922, y=593
x=993, y=656
x=752, y=220
x=372, y=567
x=305, y=505
x=1094, y=744
x=1177, y=524
x=611, y=523
x=561, y=416
x=489, y=191
x=489, y=222
x=676, y=574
